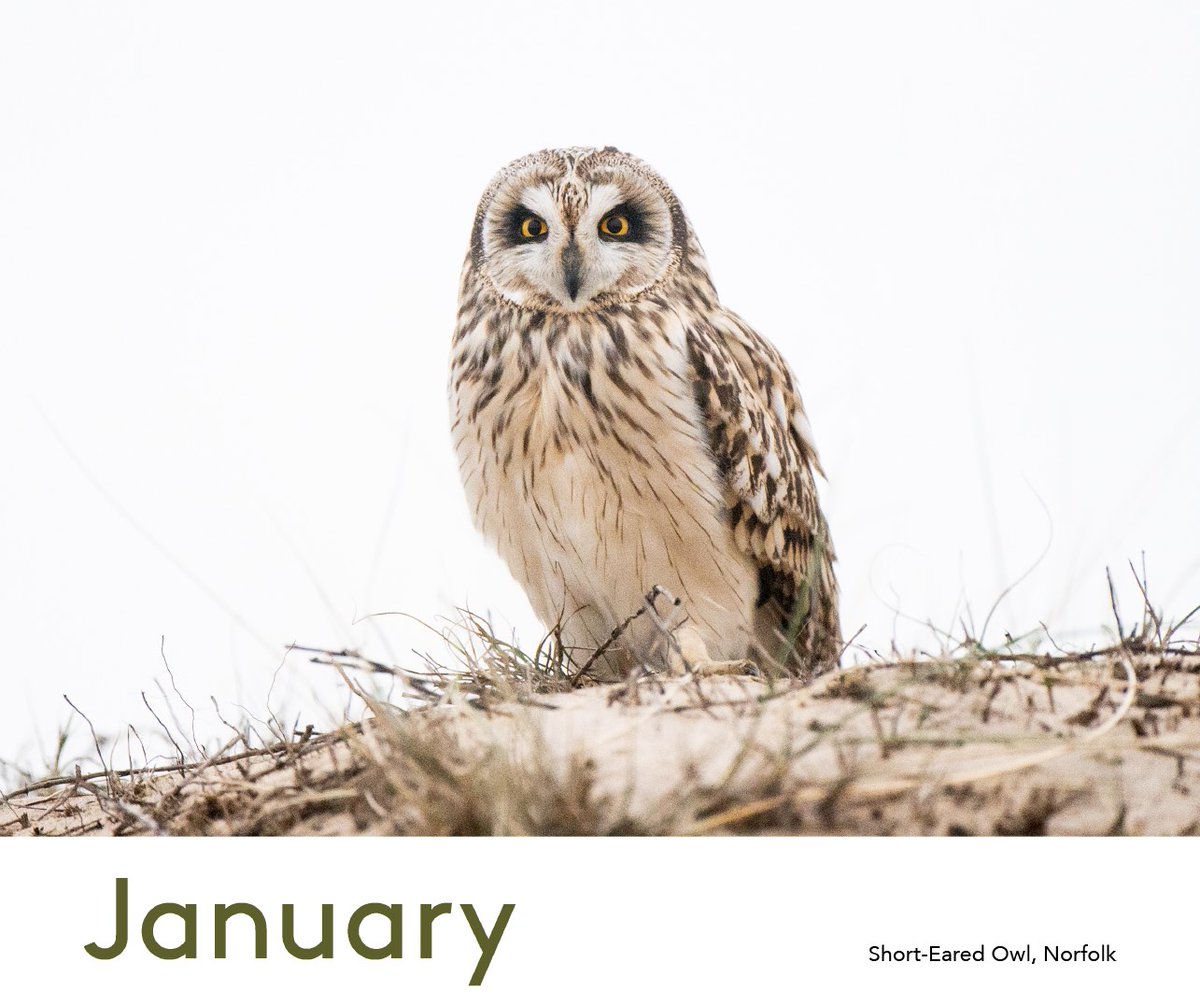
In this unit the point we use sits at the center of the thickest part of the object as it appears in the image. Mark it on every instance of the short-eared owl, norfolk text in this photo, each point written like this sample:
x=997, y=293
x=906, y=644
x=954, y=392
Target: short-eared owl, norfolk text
x=617, y=429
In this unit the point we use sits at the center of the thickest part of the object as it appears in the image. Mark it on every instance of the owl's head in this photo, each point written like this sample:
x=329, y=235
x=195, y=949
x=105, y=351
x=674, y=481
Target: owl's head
x=576, y=230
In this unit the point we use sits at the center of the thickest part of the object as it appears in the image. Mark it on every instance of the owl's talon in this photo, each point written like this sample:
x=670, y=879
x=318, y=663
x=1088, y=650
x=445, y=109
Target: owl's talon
x=690, y=655
x=727, y=668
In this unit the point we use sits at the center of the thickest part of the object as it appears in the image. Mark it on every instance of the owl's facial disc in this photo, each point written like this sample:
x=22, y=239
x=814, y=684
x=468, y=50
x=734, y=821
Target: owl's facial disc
x=577, y=244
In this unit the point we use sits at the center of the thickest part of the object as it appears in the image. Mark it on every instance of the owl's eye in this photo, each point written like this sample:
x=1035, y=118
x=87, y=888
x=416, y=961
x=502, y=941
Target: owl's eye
x=533, y=228
x=616, y=225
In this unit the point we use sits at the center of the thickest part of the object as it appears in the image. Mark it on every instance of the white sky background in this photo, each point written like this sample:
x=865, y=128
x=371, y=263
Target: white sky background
x=230, y=240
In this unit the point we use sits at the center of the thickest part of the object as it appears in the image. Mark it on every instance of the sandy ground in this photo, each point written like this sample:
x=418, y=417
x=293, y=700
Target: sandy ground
x=1102, y=745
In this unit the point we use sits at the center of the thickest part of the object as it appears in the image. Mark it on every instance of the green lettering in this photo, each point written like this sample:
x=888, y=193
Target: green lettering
x=394, y=948
x=187, y=948
x=488, y=941
x=121, y=939
x=428, y=913
x=323, y=949
x=221, y=915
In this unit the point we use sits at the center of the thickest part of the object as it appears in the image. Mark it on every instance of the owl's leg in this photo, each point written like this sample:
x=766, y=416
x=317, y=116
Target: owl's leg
x=690, y=655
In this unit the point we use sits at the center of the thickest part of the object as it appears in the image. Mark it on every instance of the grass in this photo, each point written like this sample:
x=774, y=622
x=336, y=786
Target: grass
x=1023, y=738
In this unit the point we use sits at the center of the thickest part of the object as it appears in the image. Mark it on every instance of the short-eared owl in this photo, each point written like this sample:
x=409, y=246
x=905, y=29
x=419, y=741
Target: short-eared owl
x=617, y=429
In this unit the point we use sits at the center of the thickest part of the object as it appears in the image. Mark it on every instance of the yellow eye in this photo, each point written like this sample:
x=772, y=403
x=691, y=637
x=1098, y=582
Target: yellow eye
x=533, y=227
x=615, y=226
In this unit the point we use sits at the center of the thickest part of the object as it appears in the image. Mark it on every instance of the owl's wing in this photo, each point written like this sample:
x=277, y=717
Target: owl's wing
x=762, y=443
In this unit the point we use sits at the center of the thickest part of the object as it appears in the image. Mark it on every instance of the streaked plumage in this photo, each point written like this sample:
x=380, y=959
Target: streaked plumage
x=618, y=429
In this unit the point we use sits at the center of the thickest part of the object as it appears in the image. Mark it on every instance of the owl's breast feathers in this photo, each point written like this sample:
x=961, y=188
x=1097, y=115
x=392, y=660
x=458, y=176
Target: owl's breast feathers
x=660, y=442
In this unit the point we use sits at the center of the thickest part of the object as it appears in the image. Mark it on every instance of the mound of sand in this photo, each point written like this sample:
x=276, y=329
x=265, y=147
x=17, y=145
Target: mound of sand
x=1100, y=743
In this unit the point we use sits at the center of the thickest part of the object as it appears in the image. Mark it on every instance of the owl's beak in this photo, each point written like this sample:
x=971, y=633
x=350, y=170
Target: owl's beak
x=572, y=262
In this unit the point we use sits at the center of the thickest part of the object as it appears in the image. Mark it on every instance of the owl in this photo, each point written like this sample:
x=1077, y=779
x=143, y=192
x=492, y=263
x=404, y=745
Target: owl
x=623, y=437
